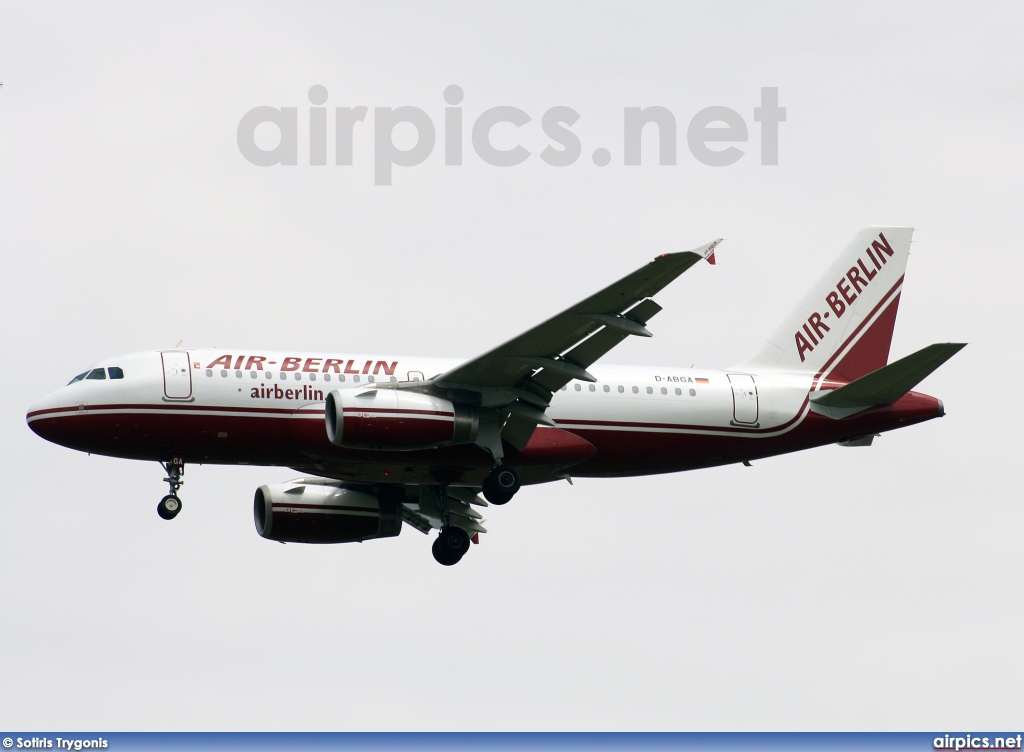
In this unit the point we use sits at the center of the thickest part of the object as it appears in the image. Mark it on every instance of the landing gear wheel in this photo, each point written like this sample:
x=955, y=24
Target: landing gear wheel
x=501, y=485
x=450, y=546
x=168, y=507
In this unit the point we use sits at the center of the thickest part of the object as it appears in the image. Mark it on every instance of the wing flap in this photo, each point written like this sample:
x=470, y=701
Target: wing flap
x=590, y=350
x=426, y=513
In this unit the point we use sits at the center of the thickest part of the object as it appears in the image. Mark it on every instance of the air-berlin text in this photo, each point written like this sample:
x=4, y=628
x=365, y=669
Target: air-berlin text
x=849, y=286
x=305, y=365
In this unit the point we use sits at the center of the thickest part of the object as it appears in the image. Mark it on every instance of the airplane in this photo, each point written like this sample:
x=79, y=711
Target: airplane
x=387, y=440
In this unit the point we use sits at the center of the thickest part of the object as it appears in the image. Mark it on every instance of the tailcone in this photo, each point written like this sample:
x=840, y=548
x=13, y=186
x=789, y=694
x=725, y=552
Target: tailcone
x=915, y=407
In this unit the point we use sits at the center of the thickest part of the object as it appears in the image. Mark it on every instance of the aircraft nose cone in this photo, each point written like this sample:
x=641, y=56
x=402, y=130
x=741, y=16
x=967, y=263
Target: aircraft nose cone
x=36, y=415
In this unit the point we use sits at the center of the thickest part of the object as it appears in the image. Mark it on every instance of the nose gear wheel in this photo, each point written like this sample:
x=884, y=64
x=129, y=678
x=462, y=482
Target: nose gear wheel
x=170, y=505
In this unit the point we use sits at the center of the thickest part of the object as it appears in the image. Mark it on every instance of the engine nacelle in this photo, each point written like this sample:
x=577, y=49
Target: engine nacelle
x=318, y=511
x=392, y=419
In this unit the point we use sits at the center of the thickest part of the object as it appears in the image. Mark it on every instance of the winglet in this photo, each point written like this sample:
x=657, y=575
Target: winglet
x=709, y=251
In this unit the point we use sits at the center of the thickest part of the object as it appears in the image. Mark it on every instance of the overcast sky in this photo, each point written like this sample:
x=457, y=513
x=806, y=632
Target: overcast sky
x=838, y=588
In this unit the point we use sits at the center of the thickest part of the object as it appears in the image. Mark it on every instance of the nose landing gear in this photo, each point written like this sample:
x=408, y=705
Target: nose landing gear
x=170, y=505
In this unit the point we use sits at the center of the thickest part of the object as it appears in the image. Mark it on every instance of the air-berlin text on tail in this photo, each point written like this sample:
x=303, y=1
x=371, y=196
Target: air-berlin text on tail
x=850, y=285
x=304, y=365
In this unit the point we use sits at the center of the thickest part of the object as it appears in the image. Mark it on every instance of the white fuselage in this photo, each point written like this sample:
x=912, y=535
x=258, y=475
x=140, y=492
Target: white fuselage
x=263, y=407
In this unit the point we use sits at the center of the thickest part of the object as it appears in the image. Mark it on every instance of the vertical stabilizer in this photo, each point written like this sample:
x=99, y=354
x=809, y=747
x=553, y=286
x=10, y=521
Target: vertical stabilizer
x=843, y=327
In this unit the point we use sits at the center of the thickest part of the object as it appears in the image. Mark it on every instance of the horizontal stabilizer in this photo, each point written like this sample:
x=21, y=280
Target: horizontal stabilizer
x=889, y=383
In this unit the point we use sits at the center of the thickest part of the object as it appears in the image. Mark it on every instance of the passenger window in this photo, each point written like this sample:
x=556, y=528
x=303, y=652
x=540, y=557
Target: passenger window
x=252, y=374
x=298, y=376
x=393, y=378
x=636, y=390
x=115, y=373
x=327, y=377
x=238, y=374
x=97, y=374
x=355, y=379
x=209, y=372
x=650, y=390
x=79, y=377
x=664, y=390
x=593, y=388
x=312, y=377
x=370, y=379
x=607, y=388
x=224, y=374
x=341, y=377
x=563, y=388
x=578, y=387
x=693, y=392
x=678, y=391
x=621, y=389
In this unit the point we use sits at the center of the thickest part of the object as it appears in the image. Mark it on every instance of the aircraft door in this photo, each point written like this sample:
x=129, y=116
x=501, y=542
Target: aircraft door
x=744, y=398
x=177, y=375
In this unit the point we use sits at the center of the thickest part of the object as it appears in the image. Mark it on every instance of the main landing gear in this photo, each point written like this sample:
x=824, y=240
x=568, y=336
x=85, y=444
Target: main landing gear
x=501, y=484
x=453, y=542
x=170, y=505
x=451, y=545
x=503, y=481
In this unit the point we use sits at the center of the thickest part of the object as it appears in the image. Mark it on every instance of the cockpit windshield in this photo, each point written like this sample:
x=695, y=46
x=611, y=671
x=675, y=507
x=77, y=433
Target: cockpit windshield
x=96, y=374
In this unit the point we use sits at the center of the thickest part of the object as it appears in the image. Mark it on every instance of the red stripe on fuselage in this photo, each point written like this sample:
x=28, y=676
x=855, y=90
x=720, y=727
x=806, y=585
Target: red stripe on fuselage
x=142, y=408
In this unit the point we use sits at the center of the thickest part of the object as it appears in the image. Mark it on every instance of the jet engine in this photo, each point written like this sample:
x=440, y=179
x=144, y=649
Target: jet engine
x=315, y=510
x=391, y=419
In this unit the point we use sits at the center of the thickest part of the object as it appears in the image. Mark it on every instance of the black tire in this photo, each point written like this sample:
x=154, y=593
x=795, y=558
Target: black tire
x=451, y=545
x=442, y=555
x=501, y=485
x=168, y=507
x=493, y=495
x=456, y=539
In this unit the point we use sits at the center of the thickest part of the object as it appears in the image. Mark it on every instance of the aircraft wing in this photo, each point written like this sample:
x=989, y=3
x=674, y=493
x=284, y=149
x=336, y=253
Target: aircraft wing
x=521, y=375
